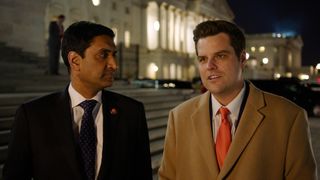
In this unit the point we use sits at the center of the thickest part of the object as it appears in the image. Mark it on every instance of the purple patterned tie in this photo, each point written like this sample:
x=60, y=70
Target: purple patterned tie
x=88, y=139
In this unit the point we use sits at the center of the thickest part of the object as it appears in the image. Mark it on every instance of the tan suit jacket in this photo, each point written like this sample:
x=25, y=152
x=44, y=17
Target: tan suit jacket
x=272, y=141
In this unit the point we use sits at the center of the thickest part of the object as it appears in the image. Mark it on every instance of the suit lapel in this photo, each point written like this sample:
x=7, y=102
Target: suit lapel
x=61, y=119
x=202, y=128
x=249, y=122
x=111, y=113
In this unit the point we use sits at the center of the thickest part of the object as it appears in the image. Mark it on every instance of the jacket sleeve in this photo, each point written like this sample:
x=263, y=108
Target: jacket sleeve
x=167, y=168
x=144, y=168
x=18, y=163
x=300, y=161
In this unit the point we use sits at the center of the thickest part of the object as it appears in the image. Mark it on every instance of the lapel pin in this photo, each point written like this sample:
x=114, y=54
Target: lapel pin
x=113, y=111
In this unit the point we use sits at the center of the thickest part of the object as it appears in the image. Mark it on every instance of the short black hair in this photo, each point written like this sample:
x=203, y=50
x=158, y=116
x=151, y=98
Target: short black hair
x=78, y=37
x=211, y=28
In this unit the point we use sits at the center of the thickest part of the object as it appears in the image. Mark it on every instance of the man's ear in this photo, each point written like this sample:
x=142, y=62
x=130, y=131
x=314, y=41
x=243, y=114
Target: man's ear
x=74, y=61
x=243, y=58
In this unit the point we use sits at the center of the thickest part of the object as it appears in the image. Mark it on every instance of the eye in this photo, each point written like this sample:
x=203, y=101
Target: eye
x=114, y=54
x=220, y=56
x=201, y=58
x=103, y=55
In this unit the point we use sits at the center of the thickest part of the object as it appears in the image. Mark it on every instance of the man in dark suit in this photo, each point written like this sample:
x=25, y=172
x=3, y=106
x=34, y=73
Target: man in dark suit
x=54, y=43
x=47, y=137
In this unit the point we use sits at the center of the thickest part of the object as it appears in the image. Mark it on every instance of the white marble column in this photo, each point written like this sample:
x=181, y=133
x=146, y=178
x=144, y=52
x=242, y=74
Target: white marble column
x=171, y=28
x=167, y=27
x=164, y=26
x=184, y=16
x=144, y=23
x=160, y=28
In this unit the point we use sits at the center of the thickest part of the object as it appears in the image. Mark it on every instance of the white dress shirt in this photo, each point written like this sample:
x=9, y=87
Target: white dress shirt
x=77, y=113
x=233, y=107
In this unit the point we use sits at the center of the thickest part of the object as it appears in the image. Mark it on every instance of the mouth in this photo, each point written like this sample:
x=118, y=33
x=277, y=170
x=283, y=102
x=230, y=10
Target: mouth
x=108, y=76
x=213, y=77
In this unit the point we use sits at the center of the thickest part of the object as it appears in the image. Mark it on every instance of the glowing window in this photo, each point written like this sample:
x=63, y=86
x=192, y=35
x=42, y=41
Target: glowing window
x=262, y=49
x=127, y=39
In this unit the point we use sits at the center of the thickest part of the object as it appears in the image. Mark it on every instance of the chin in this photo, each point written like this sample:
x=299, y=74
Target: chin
x=214, y=90
x=107, y=84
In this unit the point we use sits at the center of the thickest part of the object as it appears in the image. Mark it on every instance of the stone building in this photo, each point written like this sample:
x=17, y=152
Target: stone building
x=273, y=55
x=154, y=37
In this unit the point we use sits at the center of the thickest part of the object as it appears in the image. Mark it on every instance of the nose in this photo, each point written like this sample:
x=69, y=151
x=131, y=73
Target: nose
x=212, y=64
x=112, y=63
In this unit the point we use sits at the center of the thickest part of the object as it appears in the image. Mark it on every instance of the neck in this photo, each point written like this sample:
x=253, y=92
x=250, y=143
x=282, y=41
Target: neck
x=85, y=91
x=226, y=97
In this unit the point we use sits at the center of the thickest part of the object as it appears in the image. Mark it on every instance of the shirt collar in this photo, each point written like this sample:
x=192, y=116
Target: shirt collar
x=233, y=106
x=77, y=98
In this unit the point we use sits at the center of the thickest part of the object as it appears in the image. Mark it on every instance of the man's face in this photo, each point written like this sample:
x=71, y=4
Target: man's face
x=220, y=68
x=96, y=69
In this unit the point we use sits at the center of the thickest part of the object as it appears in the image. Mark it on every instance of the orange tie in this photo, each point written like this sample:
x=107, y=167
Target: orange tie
x=223, y=140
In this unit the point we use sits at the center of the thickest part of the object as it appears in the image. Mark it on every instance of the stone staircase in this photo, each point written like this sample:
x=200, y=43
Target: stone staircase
x=26, y=72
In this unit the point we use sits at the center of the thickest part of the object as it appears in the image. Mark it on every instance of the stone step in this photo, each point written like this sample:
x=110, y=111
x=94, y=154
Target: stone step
x=152, y=124
x=160, y=98
x=12, y=68
x=162, y=105
x=6, y=123
x=4, y=137
x=13, y=54
x=6, y=111
x=157, y=113
x=156, y=147
x=157, y=134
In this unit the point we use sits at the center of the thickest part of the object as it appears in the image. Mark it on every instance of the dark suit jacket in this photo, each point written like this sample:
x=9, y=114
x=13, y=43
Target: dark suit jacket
x=43, y=145
x=54, y=34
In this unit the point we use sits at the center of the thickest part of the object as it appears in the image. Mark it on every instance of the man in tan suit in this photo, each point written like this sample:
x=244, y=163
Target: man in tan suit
x=234, y=130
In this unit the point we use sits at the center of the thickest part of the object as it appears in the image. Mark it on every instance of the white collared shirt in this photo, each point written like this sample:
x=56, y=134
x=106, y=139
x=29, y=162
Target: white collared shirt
x=77, y=113
x=233, y=107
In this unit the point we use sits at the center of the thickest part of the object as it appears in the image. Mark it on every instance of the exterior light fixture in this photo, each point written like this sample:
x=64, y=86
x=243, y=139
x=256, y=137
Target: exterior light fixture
x=265, y=60
x=156, y=25
x=96, y=2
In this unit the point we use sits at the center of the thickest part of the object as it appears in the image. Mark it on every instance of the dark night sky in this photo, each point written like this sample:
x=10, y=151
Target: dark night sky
x=267, y=16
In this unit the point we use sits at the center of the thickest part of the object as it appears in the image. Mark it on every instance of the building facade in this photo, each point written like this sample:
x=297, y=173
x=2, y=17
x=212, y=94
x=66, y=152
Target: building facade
x=154, y=37
x=273, y=56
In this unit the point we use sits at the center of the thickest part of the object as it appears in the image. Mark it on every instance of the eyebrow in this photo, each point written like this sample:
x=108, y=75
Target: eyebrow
x=222, y=51
x=218, y=52
x=108, y=50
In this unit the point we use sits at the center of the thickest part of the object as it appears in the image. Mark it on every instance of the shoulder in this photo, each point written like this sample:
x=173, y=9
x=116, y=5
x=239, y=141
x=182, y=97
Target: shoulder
x=44, y=99
x=278, y=101
x=272, y=104
x=191, y=103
